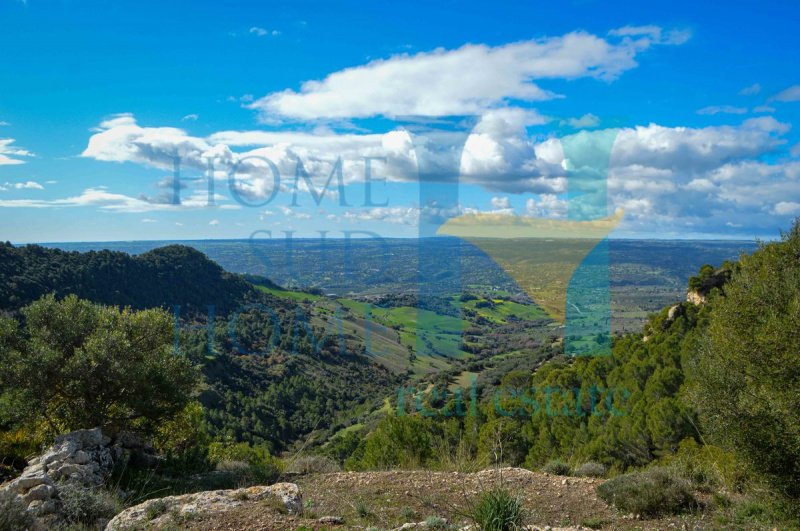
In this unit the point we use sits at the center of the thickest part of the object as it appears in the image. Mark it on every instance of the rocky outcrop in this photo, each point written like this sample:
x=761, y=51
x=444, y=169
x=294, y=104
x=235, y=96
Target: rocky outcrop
x=695, y=298
x=166, y=511
x=82, y=458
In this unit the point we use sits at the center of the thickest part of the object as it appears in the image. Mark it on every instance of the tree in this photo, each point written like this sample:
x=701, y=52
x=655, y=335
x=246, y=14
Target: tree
x=77, y=365
x=748, y=381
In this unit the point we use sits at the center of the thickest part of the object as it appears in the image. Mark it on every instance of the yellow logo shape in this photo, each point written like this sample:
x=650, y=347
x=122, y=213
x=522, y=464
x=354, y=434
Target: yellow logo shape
x=540, y=254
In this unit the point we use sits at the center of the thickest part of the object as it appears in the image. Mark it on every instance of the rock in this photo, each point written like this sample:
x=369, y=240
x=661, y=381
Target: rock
x=84, y=438
x=82, y=457
x=159, y=512
x=39, y=493
x=331, y=520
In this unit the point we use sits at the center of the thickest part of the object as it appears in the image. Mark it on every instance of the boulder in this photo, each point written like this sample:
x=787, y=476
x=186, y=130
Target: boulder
x=161, y=512
x=80, y=458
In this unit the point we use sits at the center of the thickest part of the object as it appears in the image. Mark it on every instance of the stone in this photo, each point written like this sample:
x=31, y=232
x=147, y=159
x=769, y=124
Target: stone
x=210, y=502
x=331, y=520
x=39, y=493
x=84, y=438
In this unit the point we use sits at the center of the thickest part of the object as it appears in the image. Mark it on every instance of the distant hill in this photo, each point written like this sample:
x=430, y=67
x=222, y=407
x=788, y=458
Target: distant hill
x=164, y=277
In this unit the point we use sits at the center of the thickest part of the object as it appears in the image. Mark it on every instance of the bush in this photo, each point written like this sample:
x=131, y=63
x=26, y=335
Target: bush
x=76, y=364
x=591, y=470
x=13, y=515
x=653, y=492
x=498, y=510
x=85, y=506
x=263, y=467
x=557, y=468
x=313, y=464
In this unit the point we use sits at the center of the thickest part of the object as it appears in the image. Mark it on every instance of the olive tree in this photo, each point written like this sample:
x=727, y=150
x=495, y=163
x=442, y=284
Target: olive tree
x=75, y=364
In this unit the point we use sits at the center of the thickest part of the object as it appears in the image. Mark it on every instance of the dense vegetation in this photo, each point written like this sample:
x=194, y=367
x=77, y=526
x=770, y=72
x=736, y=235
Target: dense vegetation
x=76, y=364
x=170, y=276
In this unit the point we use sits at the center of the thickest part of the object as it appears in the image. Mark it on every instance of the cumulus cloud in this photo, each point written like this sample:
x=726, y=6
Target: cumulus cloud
x=678, y=176
x=9, y=153
x=546, y=206
x=466, y=80
x=587, y=121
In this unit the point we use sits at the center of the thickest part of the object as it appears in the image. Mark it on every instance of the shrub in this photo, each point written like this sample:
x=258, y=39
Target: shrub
x=313, y=464
x=85, y=506
x=263, y=467
x=498, y=510
x=77, y=364
x=436, y=522
x=653, y=492
x=155, y=509
x=557, y=468
x=13, y=515
x=362, y=509
x=591, y=470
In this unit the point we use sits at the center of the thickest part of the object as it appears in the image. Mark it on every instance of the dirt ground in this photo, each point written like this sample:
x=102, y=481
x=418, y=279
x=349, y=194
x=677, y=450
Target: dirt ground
x=387, y=500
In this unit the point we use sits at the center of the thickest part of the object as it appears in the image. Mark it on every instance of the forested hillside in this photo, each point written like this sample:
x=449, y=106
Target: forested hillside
x=164, y=277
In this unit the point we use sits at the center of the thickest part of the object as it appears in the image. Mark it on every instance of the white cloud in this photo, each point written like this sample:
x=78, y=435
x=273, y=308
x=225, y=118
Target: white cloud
x=680, y=177
x=467, y=80
x=27, y=185
x=261, y=32
x=149, y=220
x=790, y=94
x=9, y=152
x=214, y=222
x=653, y=34
x=190, y=118
x=546, y=206
x=763, y=108
x=501, y=202
x=2, y=123
x=787, y=208
x=753, y=89
x=722, y=109
x=587, y=121
x=101, y=198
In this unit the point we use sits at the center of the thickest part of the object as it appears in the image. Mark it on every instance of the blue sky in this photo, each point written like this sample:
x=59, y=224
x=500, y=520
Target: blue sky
x=97, y=98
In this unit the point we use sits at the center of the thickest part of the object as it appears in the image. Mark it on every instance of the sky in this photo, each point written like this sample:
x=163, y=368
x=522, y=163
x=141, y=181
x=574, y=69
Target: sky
x=341, y=117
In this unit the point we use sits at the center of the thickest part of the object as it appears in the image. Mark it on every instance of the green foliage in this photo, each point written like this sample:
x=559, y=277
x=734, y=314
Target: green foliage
x=13, y=515
x=747, y=379
x=557, y=468
x=77, y=364
x=398, y=442
x=87, y=506
x=164, y=277
x=154, y=509
x=623, y=410
x=591, y=469
x=341, y=447
x=653, y=492
x=263, y=467
x=708, y=467
x=498, y=510
x=313, y=464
